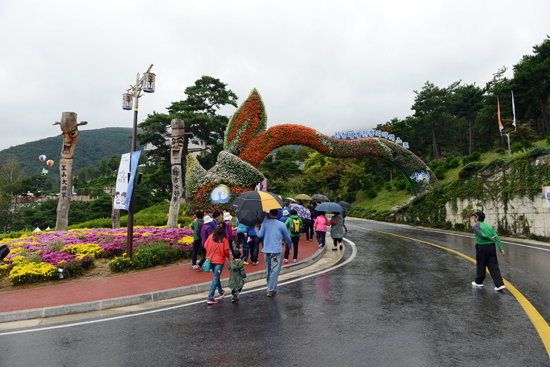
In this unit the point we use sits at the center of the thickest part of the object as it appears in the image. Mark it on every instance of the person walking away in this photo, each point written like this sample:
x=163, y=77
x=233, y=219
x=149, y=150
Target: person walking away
x=308, y=225
x=217, y=250
x=229, y=231
x=197, y=225
x=285, y=216
x=206, y=231
x=254, y=245
x=321, y=223
x=271, y=232
x=486, y=254
x=236, y=276
x=246, y=250
x=242, y=234
x=295, y=226
x=337, y=230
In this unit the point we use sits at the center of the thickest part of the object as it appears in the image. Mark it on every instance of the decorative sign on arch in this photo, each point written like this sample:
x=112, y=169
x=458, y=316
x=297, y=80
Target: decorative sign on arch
x=248, y=142
x=220, y=194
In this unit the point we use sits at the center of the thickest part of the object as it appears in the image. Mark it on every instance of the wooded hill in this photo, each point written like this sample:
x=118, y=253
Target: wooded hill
x=91, y=148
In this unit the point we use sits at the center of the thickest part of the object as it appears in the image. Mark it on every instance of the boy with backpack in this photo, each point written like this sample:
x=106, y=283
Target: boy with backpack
x=236, y=276
x=295, y=227
x=197, y=225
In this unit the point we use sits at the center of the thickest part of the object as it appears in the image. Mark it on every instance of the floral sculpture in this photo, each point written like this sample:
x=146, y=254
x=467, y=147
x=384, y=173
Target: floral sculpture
x=248, y=142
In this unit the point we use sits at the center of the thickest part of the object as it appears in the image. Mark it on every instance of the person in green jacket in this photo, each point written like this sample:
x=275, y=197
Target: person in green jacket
x=486, y=255
x=236, y=276
x=295, y=226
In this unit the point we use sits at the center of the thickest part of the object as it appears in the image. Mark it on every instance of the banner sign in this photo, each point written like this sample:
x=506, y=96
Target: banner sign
x=421, y=176
x=122, y=182
x=370, y=134
x=134, y=163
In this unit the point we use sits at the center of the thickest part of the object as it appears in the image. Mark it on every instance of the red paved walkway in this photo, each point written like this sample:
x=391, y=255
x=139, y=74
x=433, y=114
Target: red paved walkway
x=124, y=285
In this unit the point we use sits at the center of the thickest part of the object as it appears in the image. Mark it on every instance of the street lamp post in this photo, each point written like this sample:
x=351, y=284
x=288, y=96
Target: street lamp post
x=145, y=84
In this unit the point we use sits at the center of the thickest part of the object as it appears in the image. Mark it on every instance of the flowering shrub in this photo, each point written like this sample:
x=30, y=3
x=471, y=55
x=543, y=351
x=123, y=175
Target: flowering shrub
x=32, y=257
x=229, y=170
x=249, y=120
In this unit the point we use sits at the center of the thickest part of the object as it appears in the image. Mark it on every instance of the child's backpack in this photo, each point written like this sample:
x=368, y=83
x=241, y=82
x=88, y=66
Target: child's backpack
x=296, y=227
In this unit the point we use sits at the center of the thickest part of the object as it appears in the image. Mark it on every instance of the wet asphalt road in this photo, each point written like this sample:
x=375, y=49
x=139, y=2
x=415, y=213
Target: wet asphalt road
x=398, y=302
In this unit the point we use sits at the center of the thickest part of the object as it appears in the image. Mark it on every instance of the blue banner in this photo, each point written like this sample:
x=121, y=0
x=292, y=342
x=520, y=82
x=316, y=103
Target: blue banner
x=133, y=168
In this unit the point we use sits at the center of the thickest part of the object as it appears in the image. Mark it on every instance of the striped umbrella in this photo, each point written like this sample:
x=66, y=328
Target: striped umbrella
x=257, y=201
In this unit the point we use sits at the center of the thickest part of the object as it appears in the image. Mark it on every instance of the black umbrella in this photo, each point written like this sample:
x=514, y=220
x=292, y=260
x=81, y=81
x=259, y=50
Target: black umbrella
x=4, y=251
x=345, y=205
x=329, y=207
x=257, y=200
x=250, y=217
x=319, y=197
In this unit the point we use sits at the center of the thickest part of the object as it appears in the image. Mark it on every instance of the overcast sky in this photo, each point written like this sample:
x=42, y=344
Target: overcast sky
x=329, y=65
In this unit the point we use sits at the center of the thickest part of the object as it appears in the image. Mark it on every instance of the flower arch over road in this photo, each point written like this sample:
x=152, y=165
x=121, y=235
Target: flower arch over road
x=247, y=143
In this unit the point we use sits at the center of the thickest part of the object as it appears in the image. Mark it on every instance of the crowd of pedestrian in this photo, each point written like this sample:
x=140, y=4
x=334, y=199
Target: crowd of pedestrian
x=282, y=228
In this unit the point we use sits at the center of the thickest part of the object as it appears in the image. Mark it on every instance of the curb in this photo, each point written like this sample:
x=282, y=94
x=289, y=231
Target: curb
x=143, y=297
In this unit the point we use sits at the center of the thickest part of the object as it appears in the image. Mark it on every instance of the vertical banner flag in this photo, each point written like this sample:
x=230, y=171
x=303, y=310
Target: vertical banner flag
x=122, y=181
x=134, y=162
x=500, y=127
x=514, y=109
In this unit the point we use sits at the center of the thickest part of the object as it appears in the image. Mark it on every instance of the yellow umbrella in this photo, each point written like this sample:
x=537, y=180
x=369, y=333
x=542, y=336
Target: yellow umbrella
x=303, y=197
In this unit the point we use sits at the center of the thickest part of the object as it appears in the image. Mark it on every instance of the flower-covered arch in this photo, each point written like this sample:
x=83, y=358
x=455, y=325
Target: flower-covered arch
x=247, y=142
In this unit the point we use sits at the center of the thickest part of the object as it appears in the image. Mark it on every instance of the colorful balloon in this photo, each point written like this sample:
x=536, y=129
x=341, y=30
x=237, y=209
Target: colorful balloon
x=49, y=163
x=42, y=158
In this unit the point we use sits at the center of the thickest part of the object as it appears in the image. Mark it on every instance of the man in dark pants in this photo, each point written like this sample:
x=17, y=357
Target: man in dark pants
x=486, y=255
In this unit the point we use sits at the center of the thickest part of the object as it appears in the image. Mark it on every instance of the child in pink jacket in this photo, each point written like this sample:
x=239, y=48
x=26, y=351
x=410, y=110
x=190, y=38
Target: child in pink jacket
x=320, y=226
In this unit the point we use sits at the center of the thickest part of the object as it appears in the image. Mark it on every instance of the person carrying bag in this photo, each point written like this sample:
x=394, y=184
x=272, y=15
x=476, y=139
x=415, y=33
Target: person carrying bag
x=217, y=251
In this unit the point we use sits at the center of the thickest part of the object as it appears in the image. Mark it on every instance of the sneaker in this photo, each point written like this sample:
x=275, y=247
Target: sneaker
x=500, y=288
x=222, y=294
x=285, y=260
x=256, y=263
x=477, y=285
x=244, y=262
x=272, y=294
x=294, y=260
x=195, y=267
x=199, y=268
x=211, y=301
x=233, y=299
x=341, y=247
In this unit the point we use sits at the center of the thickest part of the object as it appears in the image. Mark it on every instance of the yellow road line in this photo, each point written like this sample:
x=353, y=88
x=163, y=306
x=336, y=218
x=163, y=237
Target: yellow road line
x=538, y=321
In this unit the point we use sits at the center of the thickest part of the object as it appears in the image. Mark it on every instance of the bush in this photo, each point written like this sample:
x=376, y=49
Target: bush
x=537, y=151
x=121, y=263
x=470, y=169
x=459, y=226
x=497, y=162
x=440, y=172
x=499, y=150
x=388, y=186
x=453, y=163
x=31, y=272
x=471, y=158
x=548, y=140
x=527, y=144
x=372, y=194
x=516, y=147
x=400, y=184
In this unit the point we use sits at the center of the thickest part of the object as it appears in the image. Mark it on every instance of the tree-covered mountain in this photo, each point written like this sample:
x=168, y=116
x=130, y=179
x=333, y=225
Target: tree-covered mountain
x=91, y=148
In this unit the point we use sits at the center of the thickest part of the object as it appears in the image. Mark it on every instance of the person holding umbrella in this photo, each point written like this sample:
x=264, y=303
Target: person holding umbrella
x=337, y=230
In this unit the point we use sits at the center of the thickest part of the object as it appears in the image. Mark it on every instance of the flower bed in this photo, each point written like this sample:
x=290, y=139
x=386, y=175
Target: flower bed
x=38, y=257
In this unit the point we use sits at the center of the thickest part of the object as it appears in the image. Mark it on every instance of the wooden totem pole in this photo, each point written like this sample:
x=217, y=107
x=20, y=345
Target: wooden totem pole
x=178, y=133
x=70, y=137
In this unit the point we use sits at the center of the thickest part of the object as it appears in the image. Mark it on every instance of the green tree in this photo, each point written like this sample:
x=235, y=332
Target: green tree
x=466, y=102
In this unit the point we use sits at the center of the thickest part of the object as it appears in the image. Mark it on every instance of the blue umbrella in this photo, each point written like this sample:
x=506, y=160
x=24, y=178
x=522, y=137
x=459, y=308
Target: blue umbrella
x=301, y=210
x=329, y=207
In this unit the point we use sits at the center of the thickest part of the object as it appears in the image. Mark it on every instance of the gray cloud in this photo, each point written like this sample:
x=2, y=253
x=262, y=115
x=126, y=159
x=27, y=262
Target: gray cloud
x=325, y=64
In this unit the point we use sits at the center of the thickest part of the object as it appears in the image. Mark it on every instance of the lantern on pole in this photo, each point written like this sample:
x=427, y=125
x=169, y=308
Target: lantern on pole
x=149, y=83
x=127, y=101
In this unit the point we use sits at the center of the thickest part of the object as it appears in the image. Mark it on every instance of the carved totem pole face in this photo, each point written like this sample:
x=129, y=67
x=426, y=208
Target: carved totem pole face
x=70, y=134
x=178, y=130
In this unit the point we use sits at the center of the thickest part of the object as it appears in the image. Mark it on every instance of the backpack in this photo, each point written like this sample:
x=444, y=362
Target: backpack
x=296, y=227
x=200, y=224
